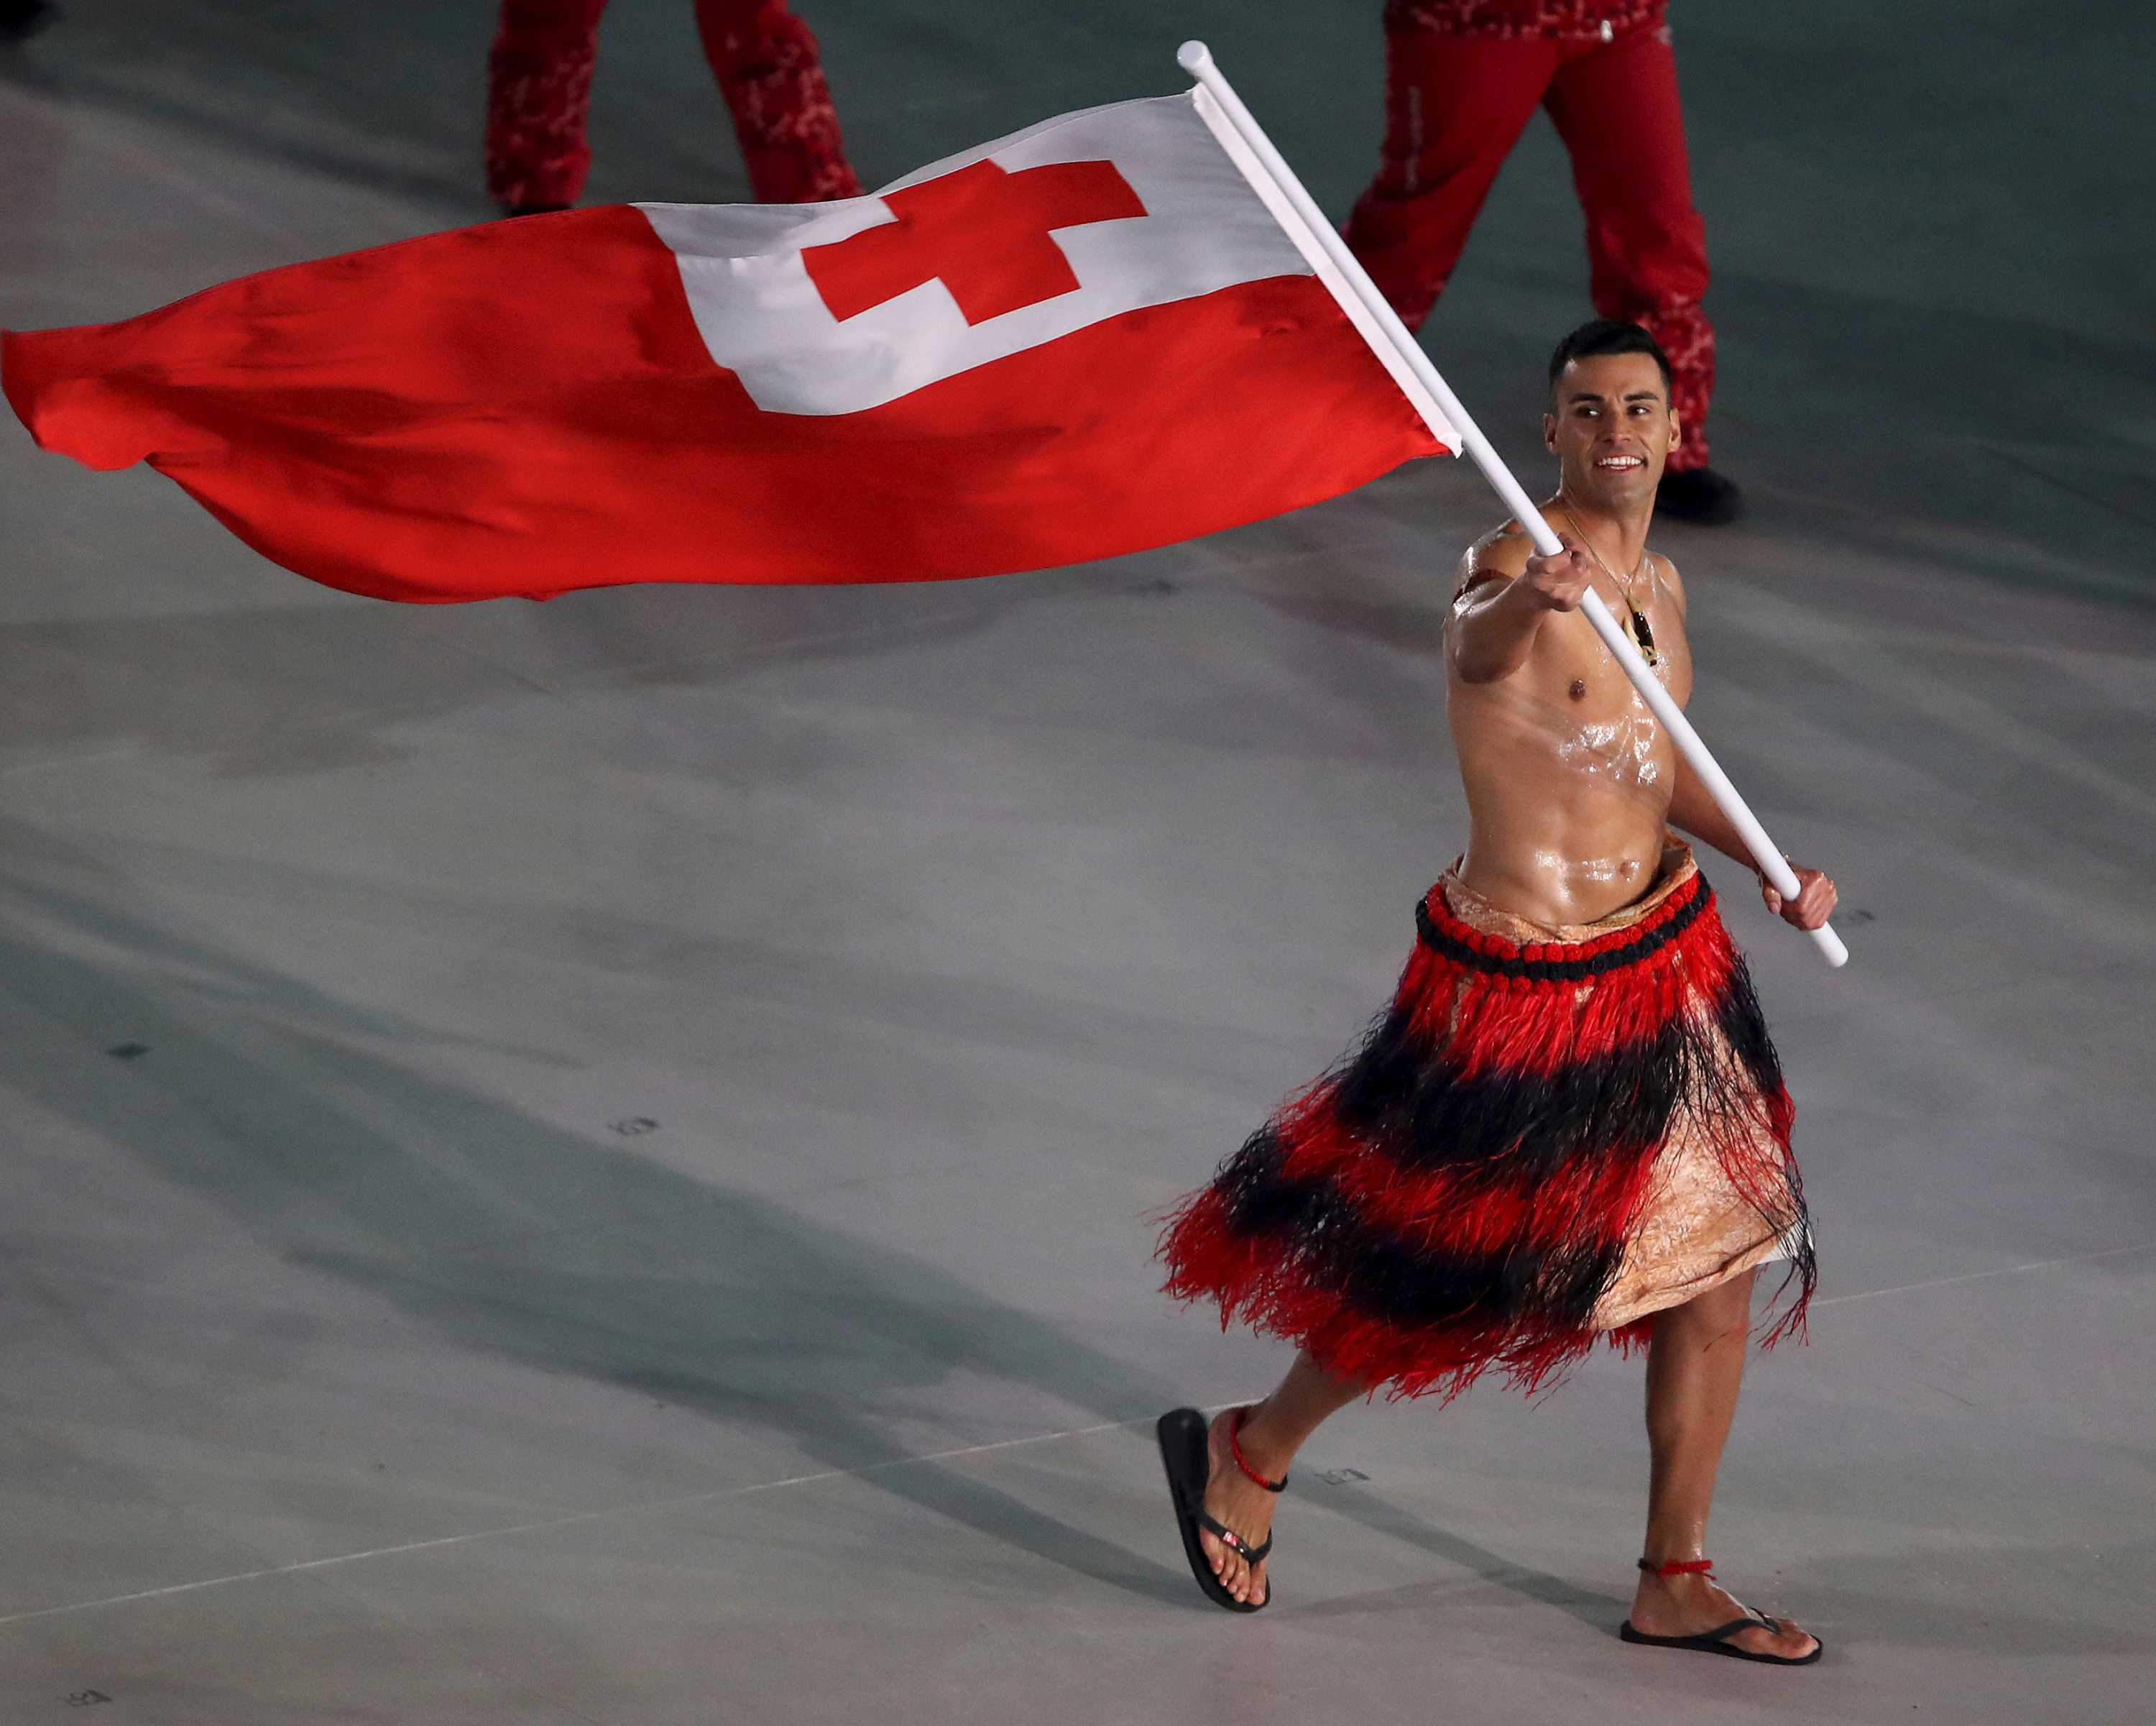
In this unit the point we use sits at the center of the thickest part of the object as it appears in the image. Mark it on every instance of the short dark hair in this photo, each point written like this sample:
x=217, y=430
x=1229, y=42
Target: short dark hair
x=1606, y=335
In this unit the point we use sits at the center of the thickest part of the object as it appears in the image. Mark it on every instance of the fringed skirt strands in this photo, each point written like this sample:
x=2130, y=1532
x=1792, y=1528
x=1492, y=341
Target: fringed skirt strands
x=1550, y=1136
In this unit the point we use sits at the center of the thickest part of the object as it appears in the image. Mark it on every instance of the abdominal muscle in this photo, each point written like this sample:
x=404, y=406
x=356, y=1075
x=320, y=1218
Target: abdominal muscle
x=1568, y=811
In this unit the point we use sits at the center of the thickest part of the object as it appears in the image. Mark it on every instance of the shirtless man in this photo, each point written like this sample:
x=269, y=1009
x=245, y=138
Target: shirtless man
x=1337, y=1227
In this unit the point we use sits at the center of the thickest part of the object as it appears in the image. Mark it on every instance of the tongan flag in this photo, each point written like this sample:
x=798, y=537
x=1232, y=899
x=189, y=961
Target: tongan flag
x=1093, y=336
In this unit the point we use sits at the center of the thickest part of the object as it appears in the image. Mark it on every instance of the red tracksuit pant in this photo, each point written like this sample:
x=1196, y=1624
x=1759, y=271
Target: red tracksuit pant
x=539, y=89
x=1455, y=104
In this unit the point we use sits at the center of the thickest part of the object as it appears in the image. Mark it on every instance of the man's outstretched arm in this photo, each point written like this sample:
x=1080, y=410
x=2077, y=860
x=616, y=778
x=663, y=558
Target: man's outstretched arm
x=1498, y=614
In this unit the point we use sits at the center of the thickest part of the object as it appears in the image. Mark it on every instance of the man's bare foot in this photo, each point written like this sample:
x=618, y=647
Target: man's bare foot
x=1238, y=1503
x=1691, y=1605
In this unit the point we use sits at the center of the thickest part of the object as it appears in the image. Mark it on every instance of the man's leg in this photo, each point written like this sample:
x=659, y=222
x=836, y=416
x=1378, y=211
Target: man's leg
x=1276, y=1429
x=538, y=92
x=1695, y=1366
x=1617, y=110
x=1454, y=105
x=771, y=76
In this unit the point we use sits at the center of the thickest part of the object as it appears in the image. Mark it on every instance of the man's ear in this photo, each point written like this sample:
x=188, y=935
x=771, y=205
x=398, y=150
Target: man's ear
x=1549, y=433
x=1676, y=431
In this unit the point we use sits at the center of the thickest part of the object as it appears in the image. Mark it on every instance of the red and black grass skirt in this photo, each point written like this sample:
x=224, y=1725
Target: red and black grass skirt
x=1459, y=1193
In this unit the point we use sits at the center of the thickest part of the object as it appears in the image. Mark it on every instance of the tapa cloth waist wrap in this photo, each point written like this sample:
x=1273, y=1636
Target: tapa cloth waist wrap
x=1550, y=1135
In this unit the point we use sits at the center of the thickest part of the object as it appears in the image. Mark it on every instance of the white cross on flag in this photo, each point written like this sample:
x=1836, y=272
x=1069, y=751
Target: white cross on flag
x=1088, y=338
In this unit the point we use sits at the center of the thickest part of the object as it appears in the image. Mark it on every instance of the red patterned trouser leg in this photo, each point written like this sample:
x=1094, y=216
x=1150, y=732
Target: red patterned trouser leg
x=1454, y=105
x=538, y=91
x=1616, y=108
x=773, y=78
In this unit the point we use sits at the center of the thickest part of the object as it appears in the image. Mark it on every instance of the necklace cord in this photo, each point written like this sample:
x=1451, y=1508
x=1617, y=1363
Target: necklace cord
x=1643, y=635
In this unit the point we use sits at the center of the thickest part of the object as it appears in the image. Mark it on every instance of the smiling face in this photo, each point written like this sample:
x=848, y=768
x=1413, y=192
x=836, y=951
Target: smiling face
x=1611, y=426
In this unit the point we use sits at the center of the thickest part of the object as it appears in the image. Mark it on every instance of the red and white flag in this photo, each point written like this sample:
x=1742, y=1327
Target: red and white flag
x=1098, y=335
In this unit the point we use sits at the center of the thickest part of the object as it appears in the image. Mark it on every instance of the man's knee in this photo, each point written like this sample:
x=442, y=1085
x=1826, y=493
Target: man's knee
x=1723, y=1310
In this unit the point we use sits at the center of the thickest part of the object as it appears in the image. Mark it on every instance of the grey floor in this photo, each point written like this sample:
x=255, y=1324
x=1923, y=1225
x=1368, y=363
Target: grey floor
x=593, y=1162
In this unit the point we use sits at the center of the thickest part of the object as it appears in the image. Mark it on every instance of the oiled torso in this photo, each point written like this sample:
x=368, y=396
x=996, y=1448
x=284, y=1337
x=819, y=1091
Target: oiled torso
x=1568, y=774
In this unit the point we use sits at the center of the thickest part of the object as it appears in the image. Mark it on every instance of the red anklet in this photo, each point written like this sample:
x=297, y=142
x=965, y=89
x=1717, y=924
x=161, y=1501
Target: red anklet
x=1236, y=1445
x=1678, y=1567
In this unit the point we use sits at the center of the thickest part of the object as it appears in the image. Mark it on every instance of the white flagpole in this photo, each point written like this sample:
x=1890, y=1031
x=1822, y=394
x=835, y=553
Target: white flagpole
x=1196, y=59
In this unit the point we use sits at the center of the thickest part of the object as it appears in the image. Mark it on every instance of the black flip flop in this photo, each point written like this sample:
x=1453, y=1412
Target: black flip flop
x=1718, y=1641
x=1184, y=1455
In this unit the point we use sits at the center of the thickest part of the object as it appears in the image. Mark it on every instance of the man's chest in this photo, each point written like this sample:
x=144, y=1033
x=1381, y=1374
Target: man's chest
x=1574, y=666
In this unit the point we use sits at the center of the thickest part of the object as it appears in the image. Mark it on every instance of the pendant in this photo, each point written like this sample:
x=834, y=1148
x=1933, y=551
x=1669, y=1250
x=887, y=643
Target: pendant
x=1644, y=636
